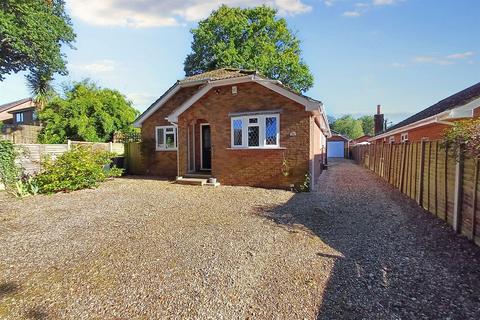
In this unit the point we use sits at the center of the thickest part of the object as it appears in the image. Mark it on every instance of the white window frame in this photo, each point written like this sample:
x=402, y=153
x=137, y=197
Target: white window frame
x=404, y=137
x=262, y=118
x=391, y=139
x=21, y=116
x=164, y=147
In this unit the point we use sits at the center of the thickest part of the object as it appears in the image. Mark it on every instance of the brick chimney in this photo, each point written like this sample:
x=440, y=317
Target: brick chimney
x=379, y=121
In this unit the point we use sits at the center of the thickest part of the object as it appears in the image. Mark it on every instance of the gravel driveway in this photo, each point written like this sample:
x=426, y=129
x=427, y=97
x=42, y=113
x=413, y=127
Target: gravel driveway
x=143, y=249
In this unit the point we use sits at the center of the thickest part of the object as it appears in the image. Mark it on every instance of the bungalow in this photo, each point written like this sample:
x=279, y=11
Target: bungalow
x=236, y=126
x=430, y=124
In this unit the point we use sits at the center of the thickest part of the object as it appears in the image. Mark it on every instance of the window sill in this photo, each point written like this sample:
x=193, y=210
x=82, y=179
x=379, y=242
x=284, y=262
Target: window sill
x=165, y=150
x=257, y=148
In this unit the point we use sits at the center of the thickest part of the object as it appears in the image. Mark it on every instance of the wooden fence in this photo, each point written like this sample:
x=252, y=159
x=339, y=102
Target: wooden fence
x=133, y=155
x=430, y=174
x=20, y=133
x=32, y=154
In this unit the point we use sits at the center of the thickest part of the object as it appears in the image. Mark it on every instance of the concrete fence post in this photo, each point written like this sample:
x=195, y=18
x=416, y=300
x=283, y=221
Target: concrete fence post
x=69, y=145
x=457, y=207
x=421, y=174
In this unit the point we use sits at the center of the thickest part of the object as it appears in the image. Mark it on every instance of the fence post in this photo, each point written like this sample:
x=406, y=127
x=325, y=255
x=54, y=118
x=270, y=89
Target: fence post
x=474, y=204
x=110, y=146
x=69, y=145
x=422, y=168
x=457, y=207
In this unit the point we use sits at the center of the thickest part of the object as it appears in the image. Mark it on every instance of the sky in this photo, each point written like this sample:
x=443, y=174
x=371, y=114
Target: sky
x=403, y=54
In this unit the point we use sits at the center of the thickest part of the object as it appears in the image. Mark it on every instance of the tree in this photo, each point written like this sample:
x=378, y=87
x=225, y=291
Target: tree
x=86, y=113
x=32, y=33
x=253, y=39
x=368, y=124
x=349, y=127
x=39, y=82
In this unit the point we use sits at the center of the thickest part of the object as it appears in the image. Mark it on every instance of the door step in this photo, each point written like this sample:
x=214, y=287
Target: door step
x=196, y=182
x=198, y=175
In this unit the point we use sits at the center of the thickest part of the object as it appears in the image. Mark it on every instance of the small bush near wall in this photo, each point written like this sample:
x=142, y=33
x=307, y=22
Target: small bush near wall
x=79, y=168
x=9, y=171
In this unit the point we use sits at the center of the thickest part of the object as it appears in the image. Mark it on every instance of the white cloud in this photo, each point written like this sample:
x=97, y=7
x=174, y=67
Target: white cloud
x=329, y=3
x=352, y=14
x=384, y=2
x=399, y=65
x=431, y=60
x=158, y=13
x=101, y=66
x=459, y=56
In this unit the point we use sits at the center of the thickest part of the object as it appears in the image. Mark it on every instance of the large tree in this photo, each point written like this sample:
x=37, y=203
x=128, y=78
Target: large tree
x=348, y=126
x=32, y=33
x=368, y=124
x=86, y=112
x=251, y=38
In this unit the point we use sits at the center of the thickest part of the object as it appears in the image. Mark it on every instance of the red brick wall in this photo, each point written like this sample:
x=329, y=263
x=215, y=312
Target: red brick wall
x=250, y=167
x=429, y=132
x=476, y=112
x=162, y=163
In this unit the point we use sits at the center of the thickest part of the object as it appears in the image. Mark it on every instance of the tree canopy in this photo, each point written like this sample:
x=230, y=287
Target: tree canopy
x=32, y=33
x=348, y=126
x=368, y=125
x=86, y=112
x=252, y=39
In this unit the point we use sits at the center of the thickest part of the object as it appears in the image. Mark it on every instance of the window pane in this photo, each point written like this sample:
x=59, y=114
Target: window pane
x=160, y=140
x=253, y=120
x=271, y=130
x=170, y=141
x=237, y=132
x=253, y=136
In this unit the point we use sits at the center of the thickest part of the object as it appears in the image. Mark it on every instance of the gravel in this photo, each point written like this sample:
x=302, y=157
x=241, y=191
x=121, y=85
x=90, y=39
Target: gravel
x=142, y=249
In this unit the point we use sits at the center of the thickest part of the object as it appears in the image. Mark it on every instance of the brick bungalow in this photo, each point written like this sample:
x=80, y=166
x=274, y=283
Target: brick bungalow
x=236, y=126
x=431, y=123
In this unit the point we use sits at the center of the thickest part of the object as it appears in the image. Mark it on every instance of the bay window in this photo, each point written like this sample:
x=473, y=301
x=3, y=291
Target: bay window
x=166, y=138
x=256, y=131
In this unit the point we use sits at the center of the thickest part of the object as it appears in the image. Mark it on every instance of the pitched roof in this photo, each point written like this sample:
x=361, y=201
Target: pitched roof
x=219, y=74
x=8, y=106
x=457, y=100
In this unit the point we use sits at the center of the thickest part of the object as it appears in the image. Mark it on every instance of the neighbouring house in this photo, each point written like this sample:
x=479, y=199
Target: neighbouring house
x=21, y=112
x=338, y=145
x=19, y=121
x=362, y=140
x=236, y=126
x=431, y=123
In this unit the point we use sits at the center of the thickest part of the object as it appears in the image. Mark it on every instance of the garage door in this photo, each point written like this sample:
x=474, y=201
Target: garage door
x=336, y=149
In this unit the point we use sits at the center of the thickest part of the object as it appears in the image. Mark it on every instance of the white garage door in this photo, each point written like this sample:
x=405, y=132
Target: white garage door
x=336, y=149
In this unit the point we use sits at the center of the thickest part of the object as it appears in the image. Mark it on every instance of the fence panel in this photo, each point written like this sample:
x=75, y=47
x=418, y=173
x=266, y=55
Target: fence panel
x=429, y=174
x=31, y=155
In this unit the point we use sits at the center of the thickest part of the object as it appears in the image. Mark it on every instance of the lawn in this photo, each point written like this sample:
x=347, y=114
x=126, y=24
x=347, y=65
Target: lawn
x=141, y=249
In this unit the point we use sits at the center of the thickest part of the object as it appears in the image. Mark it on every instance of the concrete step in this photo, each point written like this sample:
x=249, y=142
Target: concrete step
x=192, y=181
x=198, y=175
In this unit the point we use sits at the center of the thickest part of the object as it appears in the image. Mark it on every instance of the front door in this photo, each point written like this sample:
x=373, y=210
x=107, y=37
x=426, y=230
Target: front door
x=206, y=147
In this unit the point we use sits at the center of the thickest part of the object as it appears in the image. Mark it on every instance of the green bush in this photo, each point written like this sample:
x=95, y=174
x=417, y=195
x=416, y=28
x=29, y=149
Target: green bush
x=79, y=168
x=9, y=170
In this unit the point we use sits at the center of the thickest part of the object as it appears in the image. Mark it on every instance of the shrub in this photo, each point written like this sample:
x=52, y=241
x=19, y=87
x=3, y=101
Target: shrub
x=464, y=136
x=9, y=170
x=79, y=168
